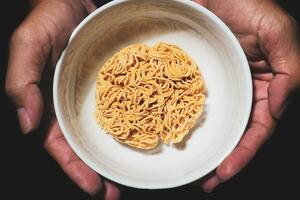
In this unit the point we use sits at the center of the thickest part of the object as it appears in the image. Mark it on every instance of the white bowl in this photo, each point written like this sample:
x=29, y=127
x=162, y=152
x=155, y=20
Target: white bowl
x=198, y=32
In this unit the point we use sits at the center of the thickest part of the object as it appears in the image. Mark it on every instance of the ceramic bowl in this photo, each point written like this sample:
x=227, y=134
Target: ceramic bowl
x=199, y=33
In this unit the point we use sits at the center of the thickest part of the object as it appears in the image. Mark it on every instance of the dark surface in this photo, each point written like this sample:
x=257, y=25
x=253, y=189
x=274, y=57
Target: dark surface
x=28, y=172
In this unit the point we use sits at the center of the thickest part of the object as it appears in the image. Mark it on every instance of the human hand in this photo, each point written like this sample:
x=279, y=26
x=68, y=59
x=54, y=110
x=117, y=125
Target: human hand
x=34, y=49
x=269, y=38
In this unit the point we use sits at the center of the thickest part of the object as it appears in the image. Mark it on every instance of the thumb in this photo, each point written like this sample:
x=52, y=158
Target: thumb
x=279, y=40
x=280, y=90
x=27, y=56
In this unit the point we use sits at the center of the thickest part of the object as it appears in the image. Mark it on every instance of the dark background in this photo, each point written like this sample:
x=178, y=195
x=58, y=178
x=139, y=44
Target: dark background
x=28, y=172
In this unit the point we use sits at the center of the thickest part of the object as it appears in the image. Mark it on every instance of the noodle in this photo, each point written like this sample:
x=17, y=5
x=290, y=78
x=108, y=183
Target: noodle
x=147, y=94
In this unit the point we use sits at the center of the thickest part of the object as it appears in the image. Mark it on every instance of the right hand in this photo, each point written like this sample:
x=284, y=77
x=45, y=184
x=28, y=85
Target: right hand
x=35, y=47
x=270, y=40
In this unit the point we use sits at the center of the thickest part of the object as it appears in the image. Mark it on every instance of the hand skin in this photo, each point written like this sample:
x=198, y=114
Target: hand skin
x=267, y=34
x=269, y=38
x=35, y=47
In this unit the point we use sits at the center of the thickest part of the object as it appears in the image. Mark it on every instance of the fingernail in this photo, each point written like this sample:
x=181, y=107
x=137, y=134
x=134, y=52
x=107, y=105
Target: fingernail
x=24, y=120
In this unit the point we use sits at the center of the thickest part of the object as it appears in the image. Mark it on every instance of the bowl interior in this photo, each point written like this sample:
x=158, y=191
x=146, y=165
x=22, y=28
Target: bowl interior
x=205, y=39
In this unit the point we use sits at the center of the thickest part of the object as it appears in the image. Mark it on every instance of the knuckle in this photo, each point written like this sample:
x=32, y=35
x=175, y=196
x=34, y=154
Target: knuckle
x=225, y=172
x=286, y=24
x=23, y=34
x=289, y=23
x=274, y=30
x=12, y=90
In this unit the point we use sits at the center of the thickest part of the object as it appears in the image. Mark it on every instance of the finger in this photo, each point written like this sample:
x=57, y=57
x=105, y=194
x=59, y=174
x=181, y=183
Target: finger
x=30, y=48
x=77, y=170
x=261, y=122
x=26, y=60
x=281, y=47
x=260, y=88
x=256, y=59
x=235, y=162
x=260, y=66
x=260, y=129
x=263, y=77
x=112, y=192
x=281, y=87
x=89, y=5
x=209, y=183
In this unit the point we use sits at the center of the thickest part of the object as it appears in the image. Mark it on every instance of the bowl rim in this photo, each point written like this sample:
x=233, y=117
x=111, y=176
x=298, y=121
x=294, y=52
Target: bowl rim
x=131, y=182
